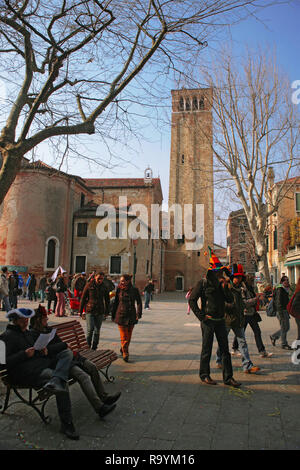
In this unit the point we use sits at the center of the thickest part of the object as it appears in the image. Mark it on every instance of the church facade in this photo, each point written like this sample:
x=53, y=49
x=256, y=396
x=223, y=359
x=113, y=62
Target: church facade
x=50, y=218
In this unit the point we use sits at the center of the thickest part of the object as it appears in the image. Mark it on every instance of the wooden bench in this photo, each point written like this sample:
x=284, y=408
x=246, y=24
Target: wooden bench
x=72, y=333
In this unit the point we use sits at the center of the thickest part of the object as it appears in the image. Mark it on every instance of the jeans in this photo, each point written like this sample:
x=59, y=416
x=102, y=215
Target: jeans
x=243, y=347
x=90, y=382
x=284, y=321
x=6, y=304
x=61, y=370
x=250, y=320
x=209, y=328
x=147, y=299
x=93, y=325
x=42, y=294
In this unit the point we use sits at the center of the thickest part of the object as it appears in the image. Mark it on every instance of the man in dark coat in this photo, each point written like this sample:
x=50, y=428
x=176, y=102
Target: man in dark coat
x=235, y=320
x=95, y=301
x=214, y=296
x=281, y=299
x=47, y=368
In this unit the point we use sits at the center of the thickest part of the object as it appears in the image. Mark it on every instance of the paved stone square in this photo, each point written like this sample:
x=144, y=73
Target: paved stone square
x=164, y=406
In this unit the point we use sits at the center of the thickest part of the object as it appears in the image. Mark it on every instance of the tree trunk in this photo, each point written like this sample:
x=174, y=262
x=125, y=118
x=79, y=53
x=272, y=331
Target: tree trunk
x=10, y=167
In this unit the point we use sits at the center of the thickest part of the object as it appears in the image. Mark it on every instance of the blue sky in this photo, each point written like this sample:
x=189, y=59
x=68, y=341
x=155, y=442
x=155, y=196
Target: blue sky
x=277, y=26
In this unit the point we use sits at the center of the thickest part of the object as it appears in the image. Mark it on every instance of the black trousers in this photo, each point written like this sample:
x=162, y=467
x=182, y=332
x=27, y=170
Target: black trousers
x=209, y=329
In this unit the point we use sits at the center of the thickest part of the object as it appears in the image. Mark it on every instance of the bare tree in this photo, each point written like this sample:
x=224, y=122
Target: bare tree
x=66, y=64
x=256, y=133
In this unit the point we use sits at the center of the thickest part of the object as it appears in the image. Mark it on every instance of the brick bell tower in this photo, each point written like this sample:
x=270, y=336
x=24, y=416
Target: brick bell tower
x=191, y=182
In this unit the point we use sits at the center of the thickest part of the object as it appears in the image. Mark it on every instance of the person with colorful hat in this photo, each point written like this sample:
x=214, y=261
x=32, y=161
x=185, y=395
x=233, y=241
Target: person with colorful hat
x=215, y=296
x=47, y=368
x=235, y=320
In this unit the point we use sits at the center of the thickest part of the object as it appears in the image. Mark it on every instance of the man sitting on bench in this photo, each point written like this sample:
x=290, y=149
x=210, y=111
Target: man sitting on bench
x=47, y=369
x=82, y=370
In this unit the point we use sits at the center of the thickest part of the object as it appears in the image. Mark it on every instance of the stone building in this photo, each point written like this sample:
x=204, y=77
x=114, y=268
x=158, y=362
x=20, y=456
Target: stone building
x=191, y=182
x=240, y=243
x=284, y=232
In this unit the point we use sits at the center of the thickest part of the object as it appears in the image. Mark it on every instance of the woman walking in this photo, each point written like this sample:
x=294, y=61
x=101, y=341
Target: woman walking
x=126, y=311
x=252, y=317
x=60, y=294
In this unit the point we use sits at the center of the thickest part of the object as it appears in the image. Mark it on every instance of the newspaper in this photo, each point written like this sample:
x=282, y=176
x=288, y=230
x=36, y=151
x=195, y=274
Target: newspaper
x=43, y=340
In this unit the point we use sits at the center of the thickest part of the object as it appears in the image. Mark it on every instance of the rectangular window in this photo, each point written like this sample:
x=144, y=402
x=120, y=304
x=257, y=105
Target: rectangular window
x=242, y=257
x=115, y=265
x=242, y=237
x=297, y=198
x=275, y=239
x=116, y=229
x=82, y=200
x=80, y=264
x=82, y=229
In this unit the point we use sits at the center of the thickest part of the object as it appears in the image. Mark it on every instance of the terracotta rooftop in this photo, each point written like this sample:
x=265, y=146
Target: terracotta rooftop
x=118, y=182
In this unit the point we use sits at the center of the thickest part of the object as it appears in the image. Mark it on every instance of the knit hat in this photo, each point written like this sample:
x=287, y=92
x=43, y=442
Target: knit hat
x=20, y=313
x=215, y=264
x=237, y=270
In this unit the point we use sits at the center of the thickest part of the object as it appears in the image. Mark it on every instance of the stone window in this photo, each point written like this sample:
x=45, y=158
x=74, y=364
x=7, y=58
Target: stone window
x=195, y=103
x=51, y=248
x=51, y=258
x=187, y=104
x=181, y=104
x=82, y=229
x=201, y=103
x=115, y=265
x=80, y=264
x=242, y=237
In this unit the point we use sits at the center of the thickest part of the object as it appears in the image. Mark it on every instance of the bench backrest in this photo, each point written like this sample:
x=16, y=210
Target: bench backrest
x=72, y=333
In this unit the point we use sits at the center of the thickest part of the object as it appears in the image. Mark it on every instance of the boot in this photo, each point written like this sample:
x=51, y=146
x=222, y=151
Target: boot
x=69, y=430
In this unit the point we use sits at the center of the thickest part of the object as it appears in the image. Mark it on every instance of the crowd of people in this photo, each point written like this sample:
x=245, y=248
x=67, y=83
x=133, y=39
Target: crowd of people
x=228, y=301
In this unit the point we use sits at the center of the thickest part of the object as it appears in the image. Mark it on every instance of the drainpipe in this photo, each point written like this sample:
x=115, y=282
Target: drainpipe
x=72, y=245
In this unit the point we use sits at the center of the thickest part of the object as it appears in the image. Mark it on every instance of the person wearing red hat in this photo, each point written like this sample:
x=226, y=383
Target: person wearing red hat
x=214, y=295
x=235, y=320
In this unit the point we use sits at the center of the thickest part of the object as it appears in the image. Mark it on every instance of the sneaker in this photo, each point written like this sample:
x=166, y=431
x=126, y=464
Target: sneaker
x=266, y=354
x=286, y=346
x=252, y=370
x=273, y=340
x=69, y=430
x=235, y=352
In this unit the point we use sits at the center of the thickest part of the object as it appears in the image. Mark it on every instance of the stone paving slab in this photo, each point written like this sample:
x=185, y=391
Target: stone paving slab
x=164, y=406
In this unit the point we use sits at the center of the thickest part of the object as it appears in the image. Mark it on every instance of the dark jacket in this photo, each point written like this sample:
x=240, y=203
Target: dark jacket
x=23, y=370
x=50, y=292
x=108, y=284
x=124, y=311
x=214, y=296
x=234, y=315
x=61, y=286
x=281, y=298
x=80, y=284
x=95, y=299
x=149, y=288
x=32, y=284
x=43, y=283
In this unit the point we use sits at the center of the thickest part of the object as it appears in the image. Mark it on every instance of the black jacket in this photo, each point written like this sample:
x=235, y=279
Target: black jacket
x=281, y=299
x=124, y=311
x=23, y=370
x=214, y=297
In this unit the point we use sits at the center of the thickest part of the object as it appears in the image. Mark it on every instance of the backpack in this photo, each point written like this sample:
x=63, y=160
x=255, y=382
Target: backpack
x=289, y=307
x=271, y=312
